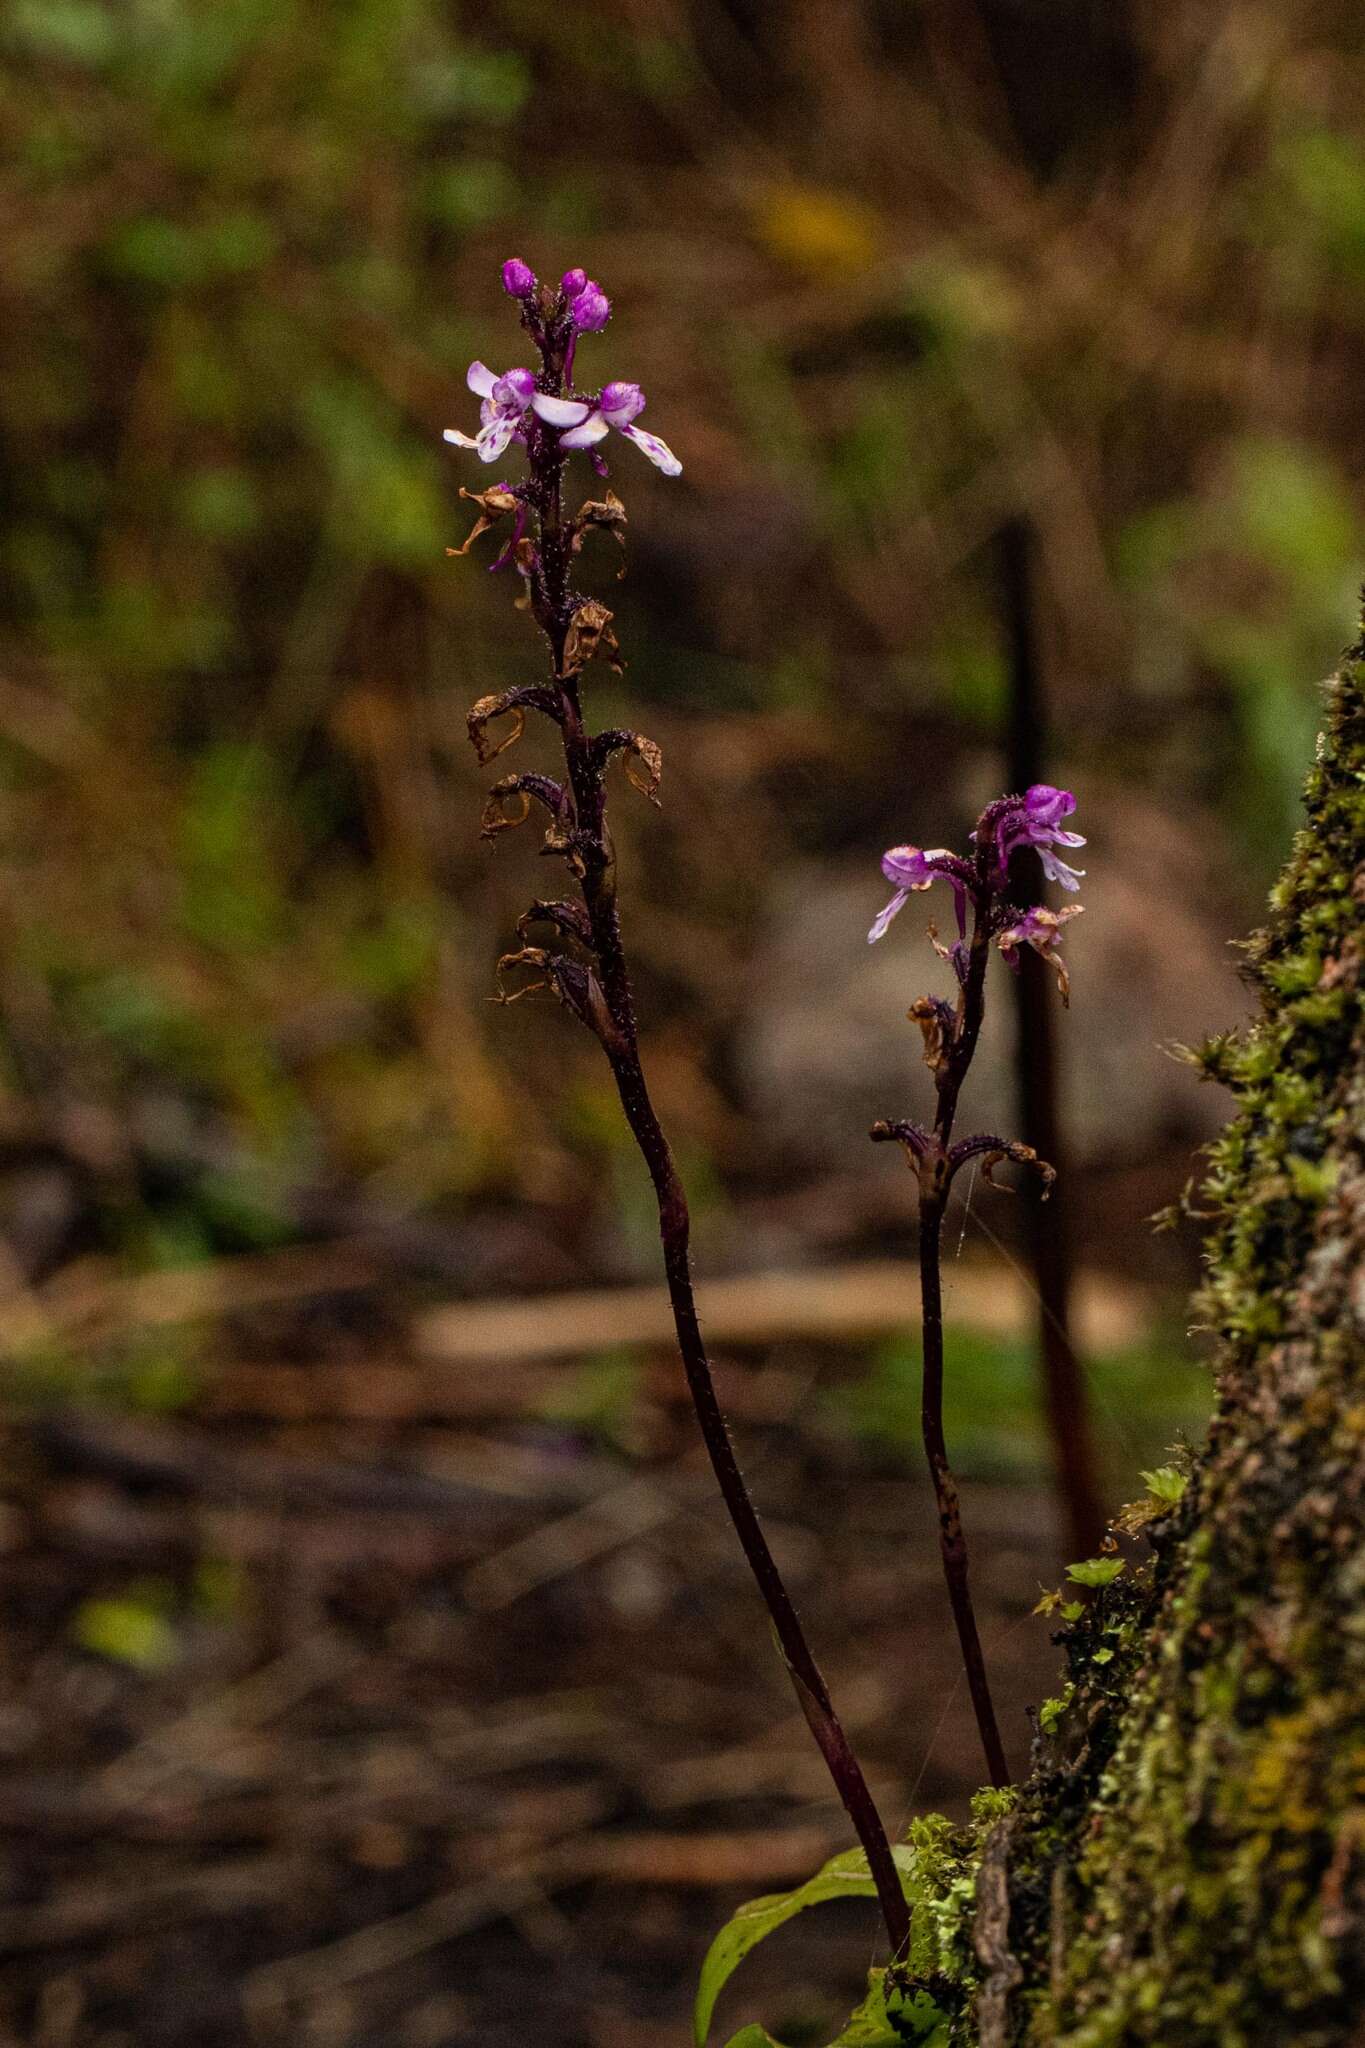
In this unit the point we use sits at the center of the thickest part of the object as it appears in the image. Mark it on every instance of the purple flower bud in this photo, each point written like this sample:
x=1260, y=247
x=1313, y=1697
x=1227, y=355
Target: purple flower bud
x=572, y=283
x=621, y=402
x=518, y=278
x=591, y=310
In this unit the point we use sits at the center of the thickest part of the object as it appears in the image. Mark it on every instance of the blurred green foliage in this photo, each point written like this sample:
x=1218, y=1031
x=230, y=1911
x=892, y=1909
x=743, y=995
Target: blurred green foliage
x=884, y=289
x=1144, y=1397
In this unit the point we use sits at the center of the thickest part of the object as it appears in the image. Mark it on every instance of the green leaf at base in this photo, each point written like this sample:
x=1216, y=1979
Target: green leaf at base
x=843, y=1877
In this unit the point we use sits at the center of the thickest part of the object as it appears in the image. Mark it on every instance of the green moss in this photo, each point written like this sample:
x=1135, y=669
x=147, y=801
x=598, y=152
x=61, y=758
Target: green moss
x=1186, y=1862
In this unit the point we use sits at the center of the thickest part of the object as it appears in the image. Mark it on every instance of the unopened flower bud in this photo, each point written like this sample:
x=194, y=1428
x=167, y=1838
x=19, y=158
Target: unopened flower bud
x=572, y=283
x=591, y=310
x=518, y=278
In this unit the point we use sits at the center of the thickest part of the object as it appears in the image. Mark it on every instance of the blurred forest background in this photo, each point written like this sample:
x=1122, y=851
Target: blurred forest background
x=892, y=272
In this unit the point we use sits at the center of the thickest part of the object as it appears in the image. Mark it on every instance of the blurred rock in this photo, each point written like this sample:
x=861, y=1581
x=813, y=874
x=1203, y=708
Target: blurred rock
x=826, y=1047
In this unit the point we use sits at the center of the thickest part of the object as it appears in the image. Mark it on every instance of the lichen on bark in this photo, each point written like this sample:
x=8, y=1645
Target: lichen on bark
x=1186, y=1866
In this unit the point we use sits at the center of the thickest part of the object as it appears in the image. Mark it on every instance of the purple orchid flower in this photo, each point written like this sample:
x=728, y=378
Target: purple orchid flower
x=505, y=402
x=617, y=405
x=1040, y=928
x=1035, y=819
x=915, y=867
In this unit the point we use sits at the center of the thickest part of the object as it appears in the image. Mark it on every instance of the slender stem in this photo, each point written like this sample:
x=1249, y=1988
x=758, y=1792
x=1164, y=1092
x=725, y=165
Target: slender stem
x=933, y=1170
x=806, y=1677
x=554, y=602
x=952, y=1541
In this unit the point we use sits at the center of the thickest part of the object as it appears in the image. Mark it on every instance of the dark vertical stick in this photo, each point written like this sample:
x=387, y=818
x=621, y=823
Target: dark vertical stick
x=1049, y=1226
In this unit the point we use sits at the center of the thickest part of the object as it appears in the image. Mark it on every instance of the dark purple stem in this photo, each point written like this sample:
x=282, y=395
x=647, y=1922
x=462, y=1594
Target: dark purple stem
x=934, y=1166
x=554, y=603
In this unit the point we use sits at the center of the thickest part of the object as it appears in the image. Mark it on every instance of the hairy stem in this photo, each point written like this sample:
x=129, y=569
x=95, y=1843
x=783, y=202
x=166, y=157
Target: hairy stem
x=952, y=1542
x=554, y=602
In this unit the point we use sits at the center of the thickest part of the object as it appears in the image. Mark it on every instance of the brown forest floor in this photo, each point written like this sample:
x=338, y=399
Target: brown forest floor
x=468, y=1728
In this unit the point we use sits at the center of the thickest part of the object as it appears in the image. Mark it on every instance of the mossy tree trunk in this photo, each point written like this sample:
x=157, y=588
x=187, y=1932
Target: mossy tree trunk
x=1187, y=1865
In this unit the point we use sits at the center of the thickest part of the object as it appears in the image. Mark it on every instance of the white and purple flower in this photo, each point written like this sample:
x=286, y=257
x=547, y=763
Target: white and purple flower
x=916, y=867
x=506, y=400
x=1035, y=819
x=618, y=405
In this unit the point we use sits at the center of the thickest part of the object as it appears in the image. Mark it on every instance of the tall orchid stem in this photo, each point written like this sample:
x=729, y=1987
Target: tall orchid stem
x=554, y=603
x=952, y=1540
x=934, y=1161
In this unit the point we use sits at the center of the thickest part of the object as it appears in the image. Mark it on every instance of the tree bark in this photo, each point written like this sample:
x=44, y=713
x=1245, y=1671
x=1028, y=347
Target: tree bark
x=1186, y=1866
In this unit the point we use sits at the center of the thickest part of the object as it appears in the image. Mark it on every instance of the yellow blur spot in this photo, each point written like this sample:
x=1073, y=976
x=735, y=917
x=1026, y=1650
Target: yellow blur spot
x=816, y=231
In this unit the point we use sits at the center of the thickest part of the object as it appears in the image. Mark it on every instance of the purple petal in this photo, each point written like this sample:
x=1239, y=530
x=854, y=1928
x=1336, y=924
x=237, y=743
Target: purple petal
x=1046, y=805
x=659, y=452
x=480, y=379
x=515, y=387
x=460, y=440
x=907, y=867
x=621, y=403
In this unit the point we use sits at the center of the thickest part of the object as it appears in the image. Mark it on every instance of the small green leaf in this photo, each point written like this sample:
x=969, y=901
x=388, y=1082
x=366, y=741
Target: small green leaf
x=752, y=2037
x=1073, y=1610
x=1101, y=1656
x=1166, y=1483
x=843, y=1877
x=888, y=2019
x=1051, y=1711
x=1095, y=1571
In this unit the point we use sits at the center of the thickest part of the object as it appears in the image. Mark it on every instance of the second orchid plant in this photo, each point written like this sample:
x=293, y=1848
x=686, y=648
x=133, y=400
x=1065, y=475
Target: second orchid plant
x=988, y=918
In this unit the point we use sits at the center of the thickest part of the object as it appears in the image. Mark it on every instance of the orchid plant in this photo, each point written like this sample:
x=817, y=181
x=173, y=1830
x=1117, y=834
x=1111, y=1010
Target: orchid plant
x=982, y=885
x=542, y=413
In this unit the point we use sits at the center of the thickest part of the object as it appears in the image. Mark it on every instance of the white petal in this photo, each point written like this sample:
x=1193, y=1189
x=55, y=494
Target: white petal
x=480, y=379
x=884, y=917
x=1058, y=871
x=561, y=412
x=460, y=440
x=659, y=452
x=593, y=429
x=495, y=436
